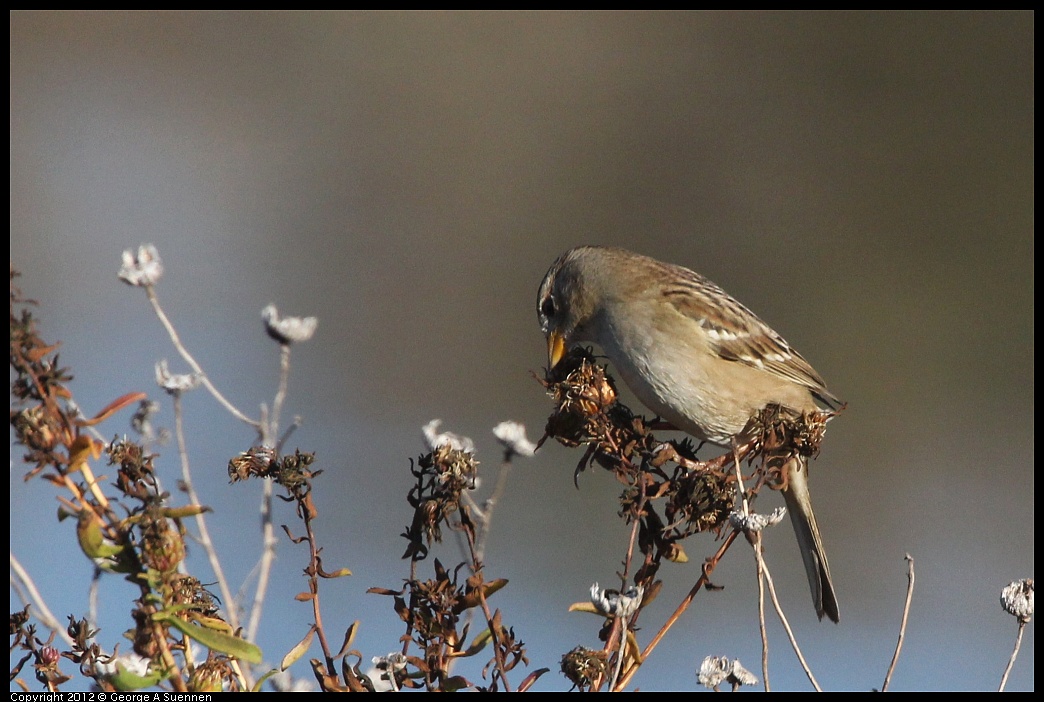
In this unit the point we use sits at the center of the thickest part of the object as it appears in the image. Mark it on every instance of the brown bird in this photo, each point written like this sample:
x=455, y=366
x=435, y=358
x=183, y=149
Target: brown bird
x=694, y=356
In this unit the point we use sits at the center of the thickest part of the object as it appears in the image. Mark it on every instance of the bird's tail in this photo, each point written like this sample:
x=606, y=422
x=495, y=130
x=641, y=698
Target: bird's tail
x=799, y=504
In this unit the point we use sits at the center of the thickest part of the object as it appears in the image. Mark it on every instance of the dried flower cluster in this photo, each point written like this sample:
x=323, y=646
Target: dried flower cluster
x=142, y=268
x=585, y=666
x=442, y=475
x=292, y=471
x=586, y=410
x=1017, y=599
x=693, y=496
x=288, y=330
x=438, y=610
x=433, y=610
x=715, y=670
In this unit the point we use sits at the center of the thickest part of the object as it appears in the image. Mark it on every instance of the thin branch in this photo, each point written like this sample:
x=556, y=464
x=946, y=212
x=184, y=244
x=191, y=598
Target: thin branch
x=498, y=648
x=92, y=596
x=264, y=567
x=759, y=564
x=205, y=539
x=494, y=631
x=642, y=499
x=22, y=580
x=484, y=518
x=739, y=478
x=621, y=626
x=708, y=568
x=150, y=291
x=92, y=483
x=621, y=623
x=286, y=434
x=1014, y=655
x=486, y=514
x=759, y=567
x=902, y=626
x=272, y=427
x=313, y=582
x=786, y=626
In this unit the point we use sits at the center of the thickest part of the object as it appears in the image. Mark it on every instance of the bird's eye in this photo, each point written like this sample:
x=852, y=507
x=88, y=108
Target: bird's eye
x=547, y=307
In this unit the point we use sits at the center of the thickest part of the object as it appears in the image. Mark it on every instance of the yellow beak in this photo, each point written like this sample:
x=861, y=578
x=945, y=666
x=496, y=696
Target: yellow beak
x=556, y=348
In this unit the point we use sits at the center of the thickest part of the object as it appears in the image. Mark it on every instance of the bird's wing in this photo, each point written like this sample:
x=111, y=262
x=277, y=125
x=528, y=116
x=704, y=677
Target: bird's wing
x=739, y=335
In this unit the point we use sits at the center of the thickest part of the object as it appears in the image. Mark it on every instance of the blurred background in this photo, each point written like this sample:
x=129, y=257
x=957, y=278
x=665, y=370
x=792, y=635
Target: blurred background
x=863, y=181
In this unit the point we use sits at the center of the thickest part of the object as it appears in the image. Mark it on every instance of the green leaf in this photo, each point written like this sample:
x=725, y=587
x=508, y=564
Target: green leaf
x=126, y=681
x=299, y=649
x=266, y=676
x=479, y=643
x=213, y=639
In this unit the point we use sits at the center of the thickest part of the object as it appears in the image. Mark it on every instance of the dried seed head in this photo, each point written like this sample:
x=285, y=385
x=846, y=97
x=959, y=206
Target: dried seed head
x=259, y=462
x=1017, y=599
x=754, y=522
x=162, y=547
x=583, y=666
x=288, y=329
x=702, y=500
x=175, y=383
x=143, y=268
x=436, y=439
x=583, y=394
x=714, y=670
x=613, y=603
x=512, y=436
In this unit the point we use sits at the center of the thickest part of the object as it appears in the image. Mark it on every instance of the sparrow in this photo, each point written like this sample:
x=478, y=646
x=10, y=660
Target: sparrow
x=694, y=356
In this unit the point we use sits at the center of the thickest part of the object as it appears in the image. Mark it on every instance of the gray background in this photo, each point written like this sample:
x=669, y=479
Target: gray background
x=864, y=181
